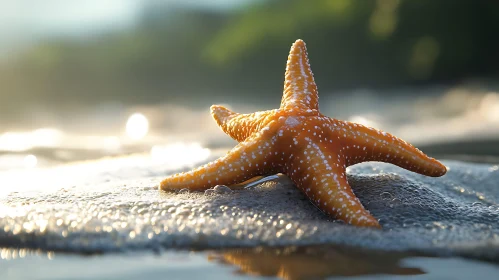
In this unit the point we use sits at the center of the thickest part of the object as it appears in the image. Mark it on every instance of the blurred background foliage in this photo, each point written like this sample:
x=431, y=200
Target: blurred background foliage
x=197, y=56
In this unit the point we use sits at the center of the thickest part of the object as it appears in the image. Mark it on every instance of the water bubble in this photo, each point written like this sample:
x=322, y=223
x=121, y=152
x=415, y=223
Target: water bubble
x=209, y=192
x=386, y=196
x=222, y=189
x=396, y=201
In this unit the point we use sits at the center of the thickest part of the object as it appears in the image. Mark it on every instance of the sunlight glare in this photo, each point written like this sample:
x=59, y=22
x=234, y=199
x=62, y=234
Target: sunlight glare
x=30, y=161
x=489, y=107
x=180, y=154
x=111, y=143
x=137, y=126
x=22, y=141
x=363, y=121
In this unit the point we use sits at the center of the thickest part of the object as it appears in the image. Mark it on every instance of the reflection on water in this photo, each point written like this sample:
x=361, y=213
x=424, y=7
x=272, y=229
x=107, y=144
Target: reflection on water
x=180, y=154
x=191, y=265
x=489, y=107
x=12, y=254
x=455, y=115
x=22, y=141
x=314, y=262
x=165, y=130
x=27, y=173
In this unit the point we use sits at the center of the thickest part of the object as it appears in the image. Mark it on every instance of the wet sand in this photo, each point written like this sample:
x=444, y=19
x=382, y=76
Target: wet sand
x=474, y=185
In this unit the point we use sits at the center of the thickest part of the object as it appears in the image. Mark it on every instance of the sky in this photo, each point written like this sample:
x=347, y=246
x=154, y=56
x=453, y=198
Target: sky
x=25, y=21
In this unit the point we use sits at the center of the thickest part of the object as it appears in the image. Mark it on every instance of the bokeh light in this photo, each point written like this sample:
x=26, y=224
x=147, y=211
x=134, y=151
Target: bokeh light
x=137, y=126
x=91, y=80
x=30, y=161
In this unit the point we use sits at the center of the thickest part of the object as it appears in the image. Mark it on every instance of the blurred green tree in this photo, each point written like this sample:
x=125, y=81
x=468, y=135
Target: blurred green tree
x=198, y=56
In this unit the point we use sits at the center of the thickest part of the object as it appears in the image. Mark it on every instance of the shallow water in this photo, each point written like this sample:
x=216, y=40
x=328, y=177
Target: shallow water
x=311, y=262
x=114, y=205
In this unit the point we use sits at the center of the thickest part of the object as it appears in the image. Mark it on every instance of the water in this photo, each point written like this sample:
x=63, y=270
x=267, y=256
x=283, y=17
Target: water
x=67, y=195
x=102, y=211
x=288, y=263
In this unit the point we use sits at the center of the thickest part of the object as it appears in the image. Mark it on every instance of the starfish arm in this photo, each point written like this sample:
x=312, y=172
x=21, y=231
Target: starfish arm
x=238, y=126
x=300, y=90
x=320, y=174
x=312, y=149
x=368, y=144
x=248, y=159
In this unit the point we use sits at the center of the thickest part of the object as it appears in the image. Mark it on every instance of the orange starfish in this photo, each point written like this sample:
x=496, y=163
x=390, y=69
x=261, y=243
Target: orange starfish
x=312, y=149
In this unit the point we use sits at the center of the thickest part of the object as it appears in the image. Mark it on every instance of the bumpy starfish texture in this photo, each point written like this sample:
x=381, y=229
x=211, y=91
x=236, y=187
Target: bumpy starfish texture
x=312, y=149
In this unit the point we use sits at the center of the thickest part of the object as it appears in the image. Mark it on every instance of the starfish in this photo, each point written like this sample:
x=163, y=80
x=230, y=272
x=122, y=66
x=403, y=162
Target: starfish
x=310, y=148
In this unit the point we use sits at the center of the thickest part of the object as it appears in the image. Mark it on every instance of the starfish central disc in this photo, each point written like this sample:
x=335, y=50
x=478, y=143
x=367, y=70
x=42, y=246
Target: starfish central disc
x=312, y=149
